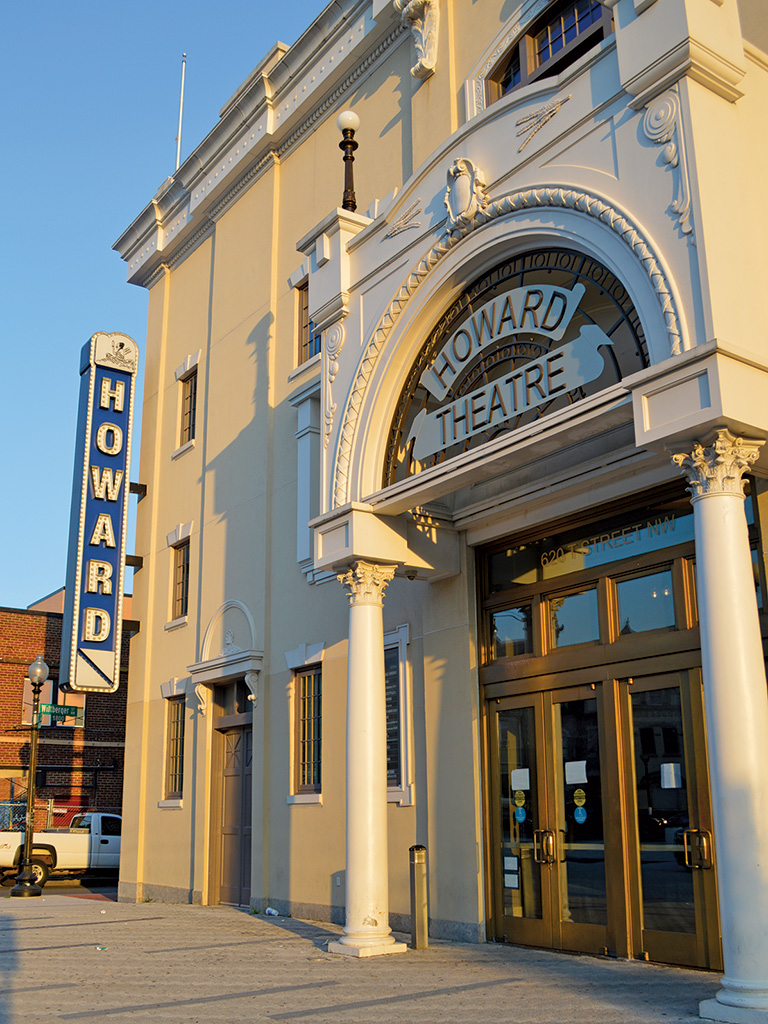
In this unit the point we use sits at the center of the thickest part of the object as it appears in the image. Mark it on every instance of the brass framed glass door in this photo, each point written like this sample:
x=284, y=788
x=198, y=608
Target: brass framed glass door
x=601, y=826
x=670, y=821
x=550, y=851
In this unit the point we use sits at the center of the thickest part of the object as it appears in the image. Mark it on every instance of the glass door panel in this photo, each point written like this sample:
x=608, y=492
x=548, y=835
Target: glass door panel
x=518, y=791
x=661, y=795
x=580, y=813
x=676, y=888
x=549, y=861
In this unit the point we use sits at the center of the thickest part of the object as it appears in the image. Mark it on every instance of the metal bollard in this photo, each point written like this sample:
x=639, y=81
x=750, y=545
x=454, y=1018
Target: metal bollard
x=419, y=920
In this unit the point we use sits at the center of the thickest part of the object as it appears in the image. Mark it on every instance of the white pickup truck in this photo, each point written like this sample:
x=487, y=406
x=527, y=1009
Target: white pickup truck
x=90, y=845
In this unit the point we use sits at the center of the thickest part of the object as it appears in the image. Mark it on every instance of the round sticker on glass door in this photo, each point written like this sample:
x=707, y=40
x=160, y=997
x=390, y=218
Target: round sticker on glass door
x=519, y=798
x=520, y=814
x=580, y=815
x=579, y=797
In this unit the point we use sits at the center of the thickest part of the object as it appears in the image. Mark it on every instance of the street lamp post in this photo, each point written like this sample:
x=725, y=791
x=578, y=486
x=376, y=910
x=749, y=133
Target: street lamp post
x=25, y=881
x=348, y=122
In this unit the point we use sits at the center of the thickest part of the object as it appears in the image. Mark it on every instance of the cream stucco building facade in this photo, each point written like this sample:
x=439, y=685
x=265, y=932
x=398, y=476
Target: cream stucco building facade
x=420, y=564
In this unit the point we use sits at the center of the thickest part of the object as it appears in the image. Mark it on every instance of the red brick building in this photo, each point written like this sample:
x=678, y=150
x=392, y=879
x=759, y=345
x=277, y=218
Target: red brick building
x=80, y=760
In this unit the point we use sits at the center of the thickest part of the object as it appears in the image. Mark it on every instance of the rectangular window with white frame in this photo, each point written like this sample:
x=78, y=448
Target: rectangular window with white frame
x=309, y=336
x=178, y=540
x=181, y=579
x=309, y=733
x=306, y=715
x=400, y=784
x=174, y=748
x=187, y=376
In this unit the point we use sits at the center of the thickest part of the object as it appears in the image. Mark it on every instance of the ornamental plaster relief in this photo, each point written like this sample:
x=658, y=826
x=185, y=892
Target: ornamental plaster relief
x=422, y=17
x=581, y=203
x=533, y=123
x=718, y=468
x=365, y=582
x=662, y=124
x=465, y=195
x=333, y=343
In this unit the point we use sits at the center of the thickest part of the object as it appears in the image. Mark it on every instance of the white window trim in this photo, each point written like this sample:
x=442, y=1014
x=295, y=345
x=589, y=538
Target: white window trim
x=183, y=449
x=182, y=371
x=170, y=690
x=301, y=657
x=405, y=794
x=181, y=533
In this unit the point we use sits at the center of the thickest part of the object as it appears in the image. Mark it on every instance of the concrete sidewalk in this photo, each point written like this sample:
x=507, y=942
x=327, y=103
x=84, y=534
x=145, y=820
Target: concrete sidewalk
x=65, y=958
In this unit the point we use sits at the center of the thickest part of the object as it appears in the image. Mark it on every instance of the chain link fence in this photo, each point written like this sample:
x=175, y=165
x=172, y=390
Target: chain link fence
x=48, y=814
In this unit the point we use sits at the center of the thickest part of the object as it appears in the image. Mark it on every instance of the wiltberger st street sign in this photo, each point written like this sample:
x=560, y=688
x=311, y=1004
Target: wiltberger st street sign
x=92, y=627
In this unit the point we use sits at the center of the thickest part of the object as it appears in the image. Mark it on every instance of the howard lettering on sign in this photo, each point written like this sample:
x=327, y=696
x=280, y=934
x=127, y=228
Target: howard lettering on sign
x=92, y=627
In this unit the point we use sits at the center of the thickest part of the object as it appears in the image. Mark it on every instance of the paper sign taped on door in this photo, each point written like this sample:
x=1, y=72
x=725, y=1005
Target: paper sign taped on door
x=520, y=778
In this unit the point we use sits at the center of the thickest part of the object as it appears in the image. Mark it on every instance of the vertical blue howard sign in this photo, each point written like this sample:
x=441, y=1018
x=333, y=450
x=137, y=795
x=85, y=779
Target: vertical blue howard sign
x=92, y=626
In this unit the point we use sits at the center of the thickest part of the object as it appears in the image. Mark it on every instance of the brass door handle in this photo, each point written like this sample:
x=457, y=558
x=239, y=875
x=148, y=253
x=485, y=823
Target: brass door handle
x=538, y=846
x=697, y=845
x=549, y=846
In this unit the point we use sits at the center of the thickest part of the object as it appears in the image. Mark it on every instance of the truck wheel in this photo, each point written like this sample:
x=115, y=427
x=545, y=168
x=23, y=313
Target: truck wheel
x=40, y=870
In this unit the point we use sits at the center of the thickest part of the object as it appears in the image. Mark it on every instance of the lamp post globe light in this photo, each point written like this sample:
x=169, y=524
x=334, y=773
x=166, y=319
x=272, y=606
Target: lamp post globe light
x=26, y=884
x=348, y=122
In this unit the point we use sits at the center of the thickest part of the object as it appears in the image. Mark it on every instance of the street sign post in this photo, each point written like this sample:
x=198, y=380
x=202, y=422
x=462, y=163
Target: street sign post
x=59, y=710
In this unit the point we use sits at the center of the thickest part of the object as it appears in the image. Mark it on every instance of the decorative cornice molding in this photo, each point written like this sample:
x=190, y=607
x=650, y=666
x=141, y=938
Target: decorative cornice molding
x=663, y=125
x=365, y=582
x=422, y=17
x=549, y=197
x=718, y=468
x=273, y=155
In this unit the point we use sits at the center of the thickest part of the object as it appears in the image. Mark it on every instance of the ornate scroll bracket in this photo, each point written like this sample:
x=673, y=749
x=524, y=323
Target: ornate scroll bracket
x=252, y=682
x=718, y=468
x=422, y=18
x=203, y=694
x=662, y=124
x=333, y=343
x=465, y=195
x=406, y=220
x=365, y=582
x=532, y=123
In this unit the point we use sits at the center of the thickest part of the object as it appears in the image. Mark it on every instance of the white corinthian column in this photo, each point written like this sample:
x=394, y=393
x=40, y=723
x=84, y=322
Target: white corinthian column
x=366, y=932
x=736, y=703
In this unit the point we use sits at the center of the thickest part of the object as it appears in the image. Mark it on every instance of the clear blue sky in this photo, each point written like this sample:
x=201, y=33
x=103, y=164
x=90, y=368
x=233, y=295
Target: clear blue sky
x=91, y=95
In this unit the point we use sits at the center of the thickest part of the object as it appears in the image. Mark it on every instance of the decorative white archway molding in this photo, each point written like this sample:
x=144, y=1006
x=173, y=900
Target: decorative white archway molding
x=232, y=662
x=587, y=208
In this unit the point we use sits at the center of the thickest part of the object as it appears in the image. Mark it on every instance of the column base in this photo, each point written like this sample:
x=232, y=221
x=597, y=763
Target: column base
x=371, y=949
x=712, y=1009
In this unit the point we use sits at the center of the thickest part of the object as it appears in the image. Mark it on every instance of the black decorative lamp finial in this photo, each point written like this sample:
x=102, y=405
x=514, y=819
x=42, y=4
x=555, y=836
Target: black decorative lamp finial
x=348, y=122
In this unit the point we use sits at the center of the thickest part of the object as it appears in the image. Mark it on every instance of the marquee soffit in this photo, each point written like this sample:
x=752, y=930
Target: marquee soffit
x=583, y=203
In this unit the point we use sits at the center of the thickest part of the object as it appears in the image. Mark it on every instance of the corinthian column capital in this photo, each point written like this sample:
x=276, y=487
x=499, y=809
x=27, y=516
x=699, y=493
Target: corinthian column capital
x=365, y=582
x=718, y=468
